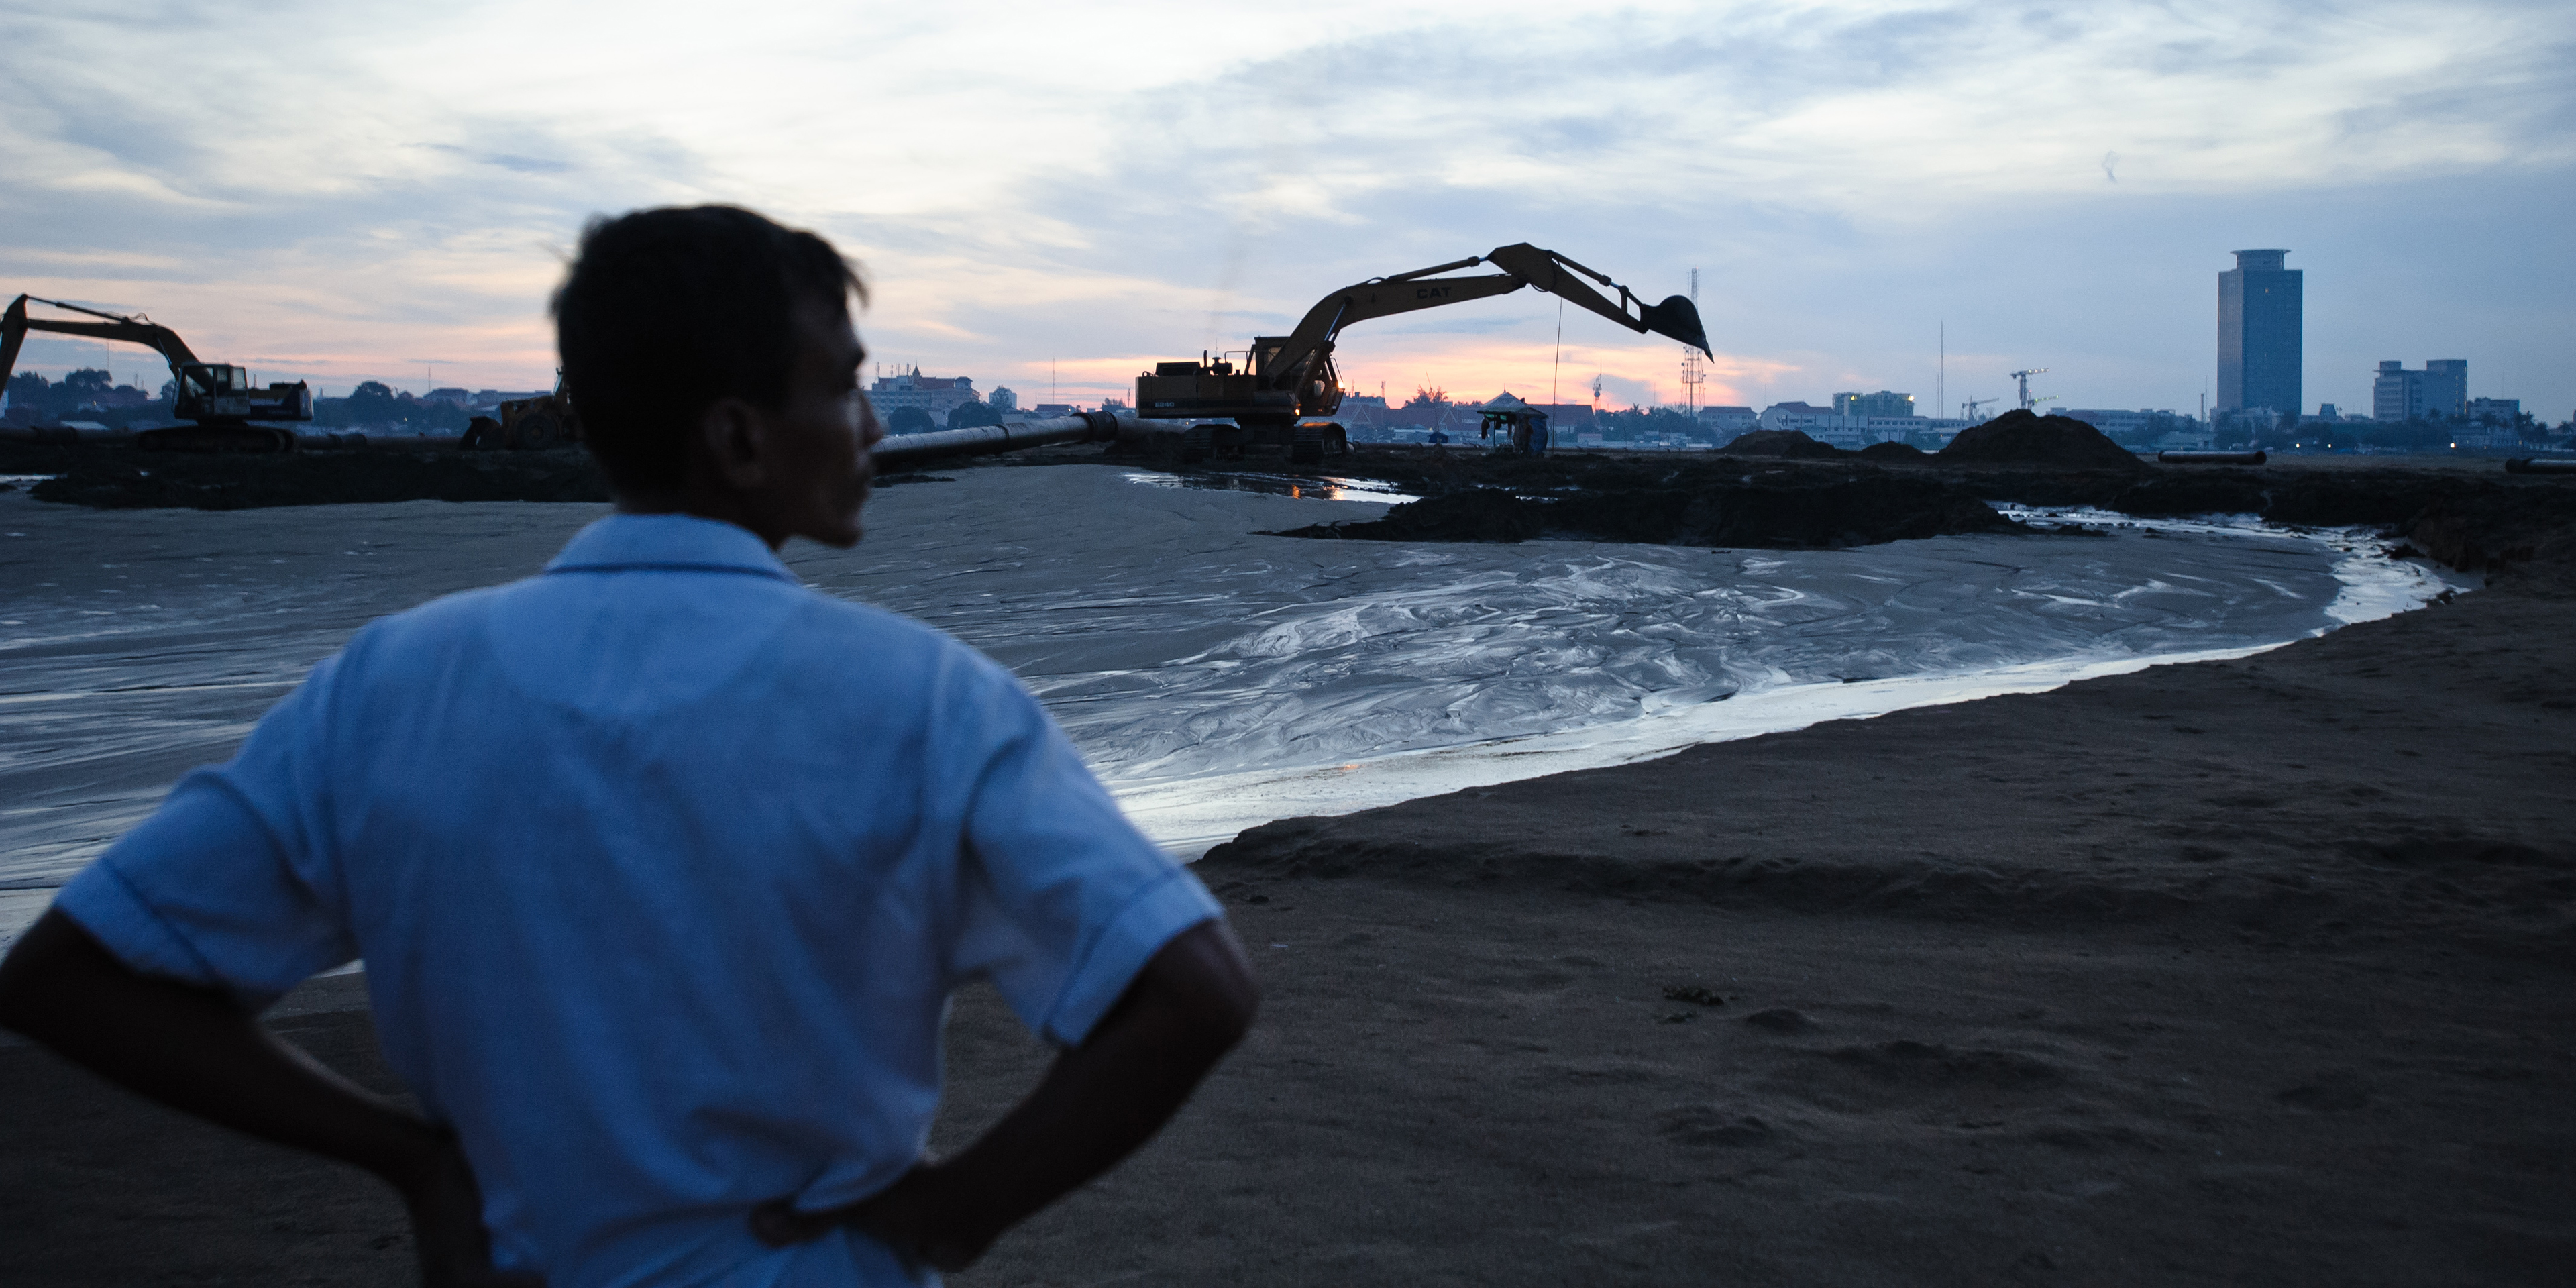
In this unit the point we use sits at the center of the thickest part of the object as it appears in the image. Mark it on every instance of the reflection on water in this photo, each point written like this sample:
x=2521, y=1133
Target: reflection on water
x=1304, y=487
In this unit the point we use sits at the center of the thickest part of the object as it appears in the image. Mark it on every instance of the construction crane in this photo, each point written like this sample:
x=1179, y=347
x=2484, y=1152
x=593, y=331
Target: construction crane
x=1968, y=409
x=1290, y=379
x=219, y=398
x=2024, y=378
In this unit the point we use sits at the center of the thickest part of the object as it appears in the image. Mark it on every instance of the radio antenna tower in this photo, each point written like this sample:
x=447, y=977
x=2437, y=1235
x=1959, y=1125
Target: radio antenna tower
x=1693, y=374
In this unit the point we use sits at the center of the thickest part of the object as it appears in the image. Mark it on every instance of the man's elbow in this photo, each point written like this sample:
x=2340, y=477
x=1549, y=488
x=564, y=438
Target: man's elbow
x=1206, y=979
x=1227, y=1014
x=42, y=973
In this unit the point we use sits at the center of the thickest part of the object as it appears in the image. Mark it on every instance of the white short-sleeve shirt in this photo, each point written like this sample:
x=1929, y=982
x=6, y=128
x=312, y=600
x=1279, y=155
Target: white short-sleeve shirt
x=663, y=866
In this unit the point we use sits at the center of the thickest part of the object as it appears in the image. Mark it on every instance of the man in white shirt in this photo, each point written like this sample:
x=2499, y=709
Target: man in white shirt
x=662, y=865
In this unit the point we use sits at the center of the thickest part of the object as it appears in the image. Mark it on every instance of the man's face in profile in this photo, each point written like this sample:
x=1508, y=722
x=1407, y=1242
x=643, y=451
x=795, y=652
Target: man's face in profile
x=818, y=479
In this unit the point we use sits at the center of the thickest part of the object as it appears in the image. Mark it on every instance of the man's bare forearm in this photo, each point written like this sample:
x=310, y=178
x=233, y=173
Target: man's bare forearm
x=1108, y=1096
x=196, y=1050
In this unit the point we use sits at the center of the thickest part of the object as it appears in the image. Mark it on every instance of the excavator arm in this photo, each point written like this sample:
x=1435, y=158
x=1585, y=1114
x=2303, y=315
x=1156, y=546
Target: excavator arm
x=1522, y=265
x=1292, y=375
x=15, y=324
x=1676, y=318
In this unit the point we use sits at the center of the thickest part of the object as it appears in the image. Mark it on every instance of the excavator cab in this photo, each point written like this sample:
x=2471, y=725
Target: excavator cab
x=214, y=391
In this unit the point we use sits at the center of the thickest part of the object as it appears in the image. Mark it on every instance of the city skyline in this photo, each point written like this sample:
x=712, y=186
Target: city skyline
x=408, y=198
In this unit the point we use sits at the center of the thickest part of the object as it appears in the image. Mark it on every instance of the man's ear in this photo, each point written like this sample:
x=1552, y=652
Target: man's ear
x=735, y=436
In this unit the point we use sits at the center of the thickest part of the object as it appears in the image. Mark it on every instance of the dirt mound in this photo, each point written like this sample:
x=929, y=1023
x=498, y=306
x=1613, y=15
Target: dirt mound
x=1794, y=513
x=2020, y=438
x=116, y=479
x=1477, y=514
x=1892, y=452
x=1787, y=443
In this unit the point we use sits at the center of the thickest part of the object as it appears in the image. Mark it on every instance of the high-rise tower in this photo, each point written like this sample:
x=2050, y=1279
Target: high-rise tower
x=2259, y=311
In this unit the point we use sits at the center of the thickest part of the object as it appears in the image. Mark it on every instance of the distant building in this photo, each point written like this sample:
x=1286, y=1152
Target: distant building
x=2252, y=420
x=1805, y=418
x=2496, y=411
x=485, y=400
x=1882, y=403
x=1728, y=421
x=2440, y=389
x=1002, y=400
x=1049, y=411
x=937, y=395
x=453, y=396
x=2259, y=333
x=1826, y=425
x=2111, y=423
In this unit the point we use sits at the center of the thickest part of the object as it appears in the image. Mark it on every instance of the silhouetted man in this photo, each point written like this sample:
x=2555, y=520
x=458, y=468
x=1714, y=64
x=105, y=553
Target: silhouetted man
x=663, y=866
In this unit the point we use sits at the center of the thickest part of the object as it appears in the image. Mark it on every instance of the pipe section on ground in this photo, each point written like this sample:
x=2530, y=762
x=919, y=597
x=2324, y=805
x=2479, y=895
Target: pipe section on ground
x=985, y=440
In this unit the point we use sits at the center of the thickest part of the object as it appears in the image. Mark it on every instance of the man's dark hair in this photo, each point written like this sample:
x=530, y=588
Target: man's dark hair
x=666, y=311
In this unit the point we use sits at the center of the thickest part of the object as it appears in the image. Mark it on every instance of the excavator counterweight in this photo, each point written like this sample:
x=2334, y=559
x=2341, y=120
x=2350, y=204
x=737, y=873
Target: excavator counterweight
x=1289, y=378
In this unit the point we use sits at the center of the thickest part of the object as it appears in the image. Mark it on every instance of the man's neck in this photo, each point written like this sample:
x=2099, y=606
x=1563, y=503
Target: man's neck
x=723, y=508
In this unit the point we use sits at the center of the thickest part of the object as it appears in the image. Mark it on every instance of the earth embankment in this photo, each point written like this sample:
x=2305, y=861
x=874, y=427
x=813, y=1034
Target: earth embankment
x=2387, y=782
x=2469, y=513
x=124, y=478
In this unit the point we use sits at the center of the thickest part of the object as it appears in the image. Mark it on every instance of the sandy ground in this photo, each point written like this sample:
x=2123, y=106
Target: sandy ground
x=2248, y=972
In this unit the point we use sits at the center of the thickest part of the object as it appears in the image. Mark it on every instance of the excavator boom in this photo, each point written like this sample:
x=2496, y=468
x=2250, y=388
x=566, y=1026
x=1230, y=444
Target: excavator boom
x=1293, y=376
x=208, y=393
x=15, y=324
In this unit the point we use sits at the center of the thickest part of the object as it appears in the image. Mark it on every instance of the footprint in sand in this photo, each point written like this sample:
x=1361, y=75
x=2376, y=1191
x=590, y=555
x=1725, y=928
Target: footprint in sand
x=1710, y=1125
x=1780, y=1019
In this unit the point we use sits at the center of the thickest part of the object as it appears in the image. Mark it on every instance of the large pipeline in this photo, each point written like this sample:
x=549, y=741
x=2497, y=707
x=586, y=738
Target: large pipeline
x=984, y=440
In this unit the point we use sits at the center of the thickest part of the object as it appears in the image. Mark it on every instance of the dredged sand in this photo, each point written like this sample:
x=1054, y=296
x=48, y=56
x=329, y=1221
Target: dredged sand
x=2250, y=971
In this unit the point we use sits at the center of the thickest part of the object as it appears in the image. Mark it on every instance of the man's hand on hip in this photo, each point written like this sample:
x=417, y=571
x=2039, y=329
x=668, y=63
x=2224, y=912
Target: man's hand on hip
x=1190, y=1005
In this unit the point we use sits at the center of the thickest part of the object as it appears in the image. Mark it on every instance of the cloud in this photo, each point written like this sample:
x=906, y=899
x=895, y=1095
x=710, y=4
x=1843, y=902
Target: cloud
x=337, y=185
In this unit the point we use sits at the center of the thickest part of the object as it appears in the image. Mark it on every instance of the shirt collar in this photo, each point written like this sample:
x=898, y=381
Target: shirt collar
x=667, y=541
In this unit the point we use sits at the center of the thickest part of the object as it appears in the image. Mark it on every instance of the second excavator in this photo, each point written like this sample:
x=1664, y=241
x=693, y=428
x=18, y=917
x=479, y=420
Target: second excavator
x=219, y=397
x=1287, y=383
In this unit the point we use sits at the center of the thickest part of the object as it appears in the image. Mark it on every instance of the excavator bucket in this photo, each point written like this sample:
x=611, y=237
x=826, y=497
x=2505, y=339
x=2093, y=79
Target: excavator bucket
x=1677, y=318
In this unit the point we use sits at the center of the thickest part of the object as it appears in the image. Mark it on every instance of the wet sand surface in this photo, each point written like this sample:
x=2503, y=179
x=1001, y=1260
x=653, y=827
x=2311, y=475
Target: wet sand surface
x=2244, y=972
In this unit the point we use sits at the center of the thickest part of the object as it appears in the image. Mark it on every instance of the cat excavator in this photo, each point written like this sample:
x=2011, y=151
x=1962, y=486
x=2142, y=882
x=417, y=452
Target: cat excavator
x=219, y=398
x=547, y=420
x=1287, y=383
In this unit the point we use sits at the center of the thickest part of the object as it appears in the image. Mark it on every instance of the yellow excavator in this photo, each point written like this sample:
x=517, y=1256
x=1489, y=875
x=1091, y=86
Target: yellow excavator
x=1287, y=385
x=546, y=420
x=219, y=398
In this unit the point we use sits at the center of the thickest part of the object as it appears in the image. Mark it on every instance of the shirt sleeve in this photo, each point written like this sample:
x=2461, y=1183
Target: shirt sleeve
x=224, y=886
x=1064, y=901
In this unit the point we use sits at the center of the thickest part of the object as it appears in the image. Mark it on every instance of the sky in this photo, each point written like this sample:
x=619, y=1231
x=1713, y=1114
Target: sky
x=1053, y=197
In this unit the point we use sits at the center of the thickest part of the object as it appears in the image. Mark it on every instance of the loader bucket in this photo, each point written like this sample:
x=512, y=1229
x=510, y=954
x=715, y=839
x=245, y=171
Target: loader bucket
x=1678, y=318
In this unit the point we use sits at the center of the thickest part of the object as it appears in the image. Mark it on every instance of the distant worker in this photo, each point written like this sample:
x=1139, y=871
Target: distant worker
x=663, y=866
x=1530, y=434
